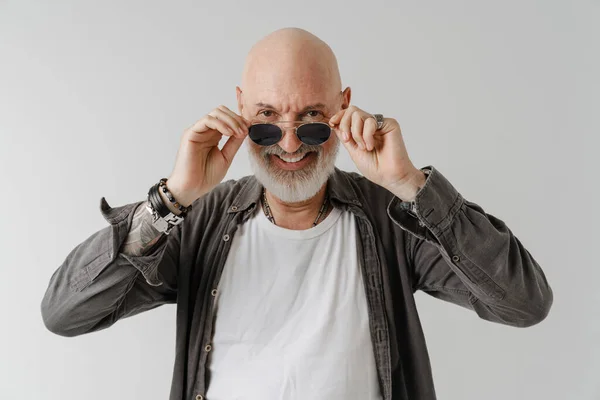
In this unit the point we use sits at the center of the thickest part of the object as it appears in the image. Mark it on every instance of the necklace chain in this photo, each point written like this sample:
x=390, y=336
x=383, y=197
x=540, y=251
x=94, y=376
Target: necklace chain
x=271, y=218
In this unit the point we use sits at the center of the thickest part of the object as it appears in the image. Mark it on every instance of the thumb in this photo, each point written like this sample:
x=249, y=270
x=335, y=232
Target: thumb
x=231, y=147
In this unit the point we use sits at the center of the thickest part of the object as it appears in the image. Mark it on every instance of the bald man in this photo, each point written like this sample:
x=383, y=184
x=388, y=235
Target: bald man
x=296, y=282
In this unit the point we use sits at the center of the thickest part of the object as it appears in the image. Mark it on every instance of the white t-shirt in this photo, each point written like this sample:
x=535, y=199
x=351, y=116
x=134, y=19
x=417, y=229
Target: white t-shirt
x=292, y=319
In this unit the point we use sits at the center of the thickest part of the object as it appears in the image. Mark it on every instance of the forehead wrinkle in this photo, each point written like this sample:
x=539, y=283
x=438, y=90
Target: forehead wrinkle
x=316, y=106
x=285, y=103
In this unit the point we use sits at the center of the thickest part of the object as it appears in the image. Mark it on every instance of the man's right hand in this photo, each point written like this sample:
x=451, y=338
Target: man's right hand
x=200, y=164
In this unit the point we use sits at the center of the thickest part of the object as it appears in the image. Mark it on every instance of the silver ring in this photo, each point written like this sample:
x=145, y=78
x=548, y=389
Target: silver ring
x=379, y=119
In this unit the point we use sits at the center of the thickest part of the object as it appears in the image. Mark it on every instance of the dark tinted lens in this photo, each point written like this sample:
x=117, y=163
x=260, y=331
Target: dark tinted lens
x=313, y=134
x=264, y=134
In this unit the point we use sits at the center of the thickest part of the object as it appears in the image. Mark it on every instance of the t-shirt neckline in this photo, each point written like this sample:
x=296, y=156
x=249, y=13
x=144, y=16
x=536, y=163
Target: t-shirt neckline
x=309, y=233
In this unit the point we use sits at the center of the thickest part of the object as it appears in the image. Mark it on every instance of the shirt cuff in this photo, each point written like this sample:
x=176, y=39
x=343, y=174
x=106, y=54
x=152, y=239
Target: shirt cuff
x=121, y=219
x=435, y=205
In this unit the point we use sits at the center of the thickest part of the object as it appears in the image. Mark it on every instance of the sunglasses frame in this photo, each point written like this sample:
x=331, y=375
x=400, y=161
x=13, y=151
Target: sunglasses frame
x=298, y=123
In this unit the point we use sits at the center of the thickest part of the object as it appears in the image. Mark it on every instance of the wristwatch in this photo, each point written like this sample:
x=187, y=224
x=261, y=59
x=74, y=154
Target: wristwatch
x=162, y=217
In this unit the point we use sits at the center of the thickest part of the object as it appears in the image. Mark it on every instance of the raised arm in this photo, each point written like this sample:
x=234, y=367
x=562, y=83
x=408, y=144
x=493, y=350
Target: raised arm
x=463, y=255
x=129, y=266
x=115, y=273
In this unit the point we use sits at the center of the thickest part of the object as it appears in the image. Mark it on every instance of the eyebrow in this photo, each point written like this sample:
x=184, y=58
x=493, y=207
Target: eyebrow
x=317, y=106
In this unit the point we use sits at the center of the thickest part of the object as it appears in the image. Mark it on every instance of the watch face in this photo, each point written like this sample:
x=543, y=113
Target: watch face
x=160, y=224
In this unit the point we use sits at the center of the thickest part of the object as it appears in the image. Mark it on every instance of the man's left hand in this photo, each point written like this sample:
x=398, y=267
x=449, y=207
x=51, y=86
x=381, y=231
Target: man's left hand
x=380, y=155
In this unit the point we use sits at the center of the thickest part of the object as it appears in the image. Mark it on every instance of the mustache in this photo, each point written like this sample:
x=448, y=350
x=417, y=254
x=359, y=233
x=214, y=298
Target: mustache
x=303, y=149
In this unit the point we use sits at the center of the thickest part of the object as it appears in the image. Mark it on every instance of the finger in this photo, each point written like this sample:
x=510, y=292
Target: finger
x=346, y=140
x=370, y=127
x=244, y=123
x=336, y=117
x=345, y=123
x=230, y=120
x=342, y=135
x=219, y=125
x=199, y=126
x=231, y=147
x=357, y=130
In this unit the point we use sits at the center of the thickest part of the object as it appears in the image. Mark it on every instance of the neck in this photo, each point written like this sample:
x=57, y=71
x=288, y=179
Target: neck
x=300, y=215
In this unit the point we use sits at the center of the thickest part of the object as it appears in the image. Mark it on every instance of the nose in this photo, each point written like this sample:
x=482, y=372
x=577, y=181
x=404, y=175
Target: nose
x=290, y=142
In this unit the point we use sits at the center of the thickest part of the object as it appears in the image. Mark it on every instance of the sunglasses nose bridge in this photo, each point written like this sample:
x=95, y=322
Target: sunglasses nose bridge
x=286, y=126
x=289, y=140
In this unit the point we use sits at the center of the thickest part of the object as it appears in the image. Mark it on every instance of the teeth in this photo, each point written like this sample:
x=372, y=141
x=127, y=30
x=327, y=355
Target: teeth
x=292, y=159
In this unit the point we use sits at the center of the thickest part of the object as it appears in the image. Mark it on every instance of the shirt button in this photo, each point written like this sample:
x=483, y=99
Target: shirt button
x=199, y=397
x=455, y=258
x=208, y=348
x=234, y=208
x=226, y=237
x=214, y=292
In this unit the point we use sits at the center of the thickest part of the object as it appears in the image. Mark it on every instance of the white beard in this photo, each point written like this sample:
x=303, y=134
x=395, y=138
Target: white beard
x=293, y=186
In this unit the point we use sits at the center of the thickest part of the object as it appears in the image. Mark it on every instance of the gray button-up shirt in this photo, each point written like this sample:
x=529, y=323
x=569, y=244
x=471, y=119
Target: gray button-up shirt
x=447, y=246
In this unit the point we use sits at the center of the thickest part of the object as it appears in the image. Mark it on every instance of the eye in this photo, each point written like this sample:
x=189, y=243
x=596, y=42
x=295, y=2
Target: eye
x=266, y=113
x=314, y=113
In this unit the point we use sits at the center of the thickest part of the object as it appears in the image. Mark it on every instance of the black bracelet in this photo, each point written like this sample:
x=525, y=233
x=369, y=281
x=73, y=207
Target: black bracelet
x=163, y=186
x=157, y=202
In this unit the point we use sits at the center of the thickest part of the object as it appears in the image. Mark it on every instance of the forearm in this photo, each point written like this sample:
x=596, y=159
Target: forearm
x=451, y=234
x=98, y=283
x=143, y=235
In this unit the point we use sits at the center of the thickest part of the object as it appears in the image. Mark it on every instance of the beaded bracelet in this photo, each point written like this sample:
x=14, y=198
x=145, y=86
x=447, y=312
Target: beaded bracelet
x=184, y=210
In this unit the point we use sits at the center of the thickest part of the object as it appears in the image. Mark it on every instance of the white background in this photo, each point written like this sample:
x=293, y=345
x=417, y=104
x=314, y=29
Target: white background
x=501, y=97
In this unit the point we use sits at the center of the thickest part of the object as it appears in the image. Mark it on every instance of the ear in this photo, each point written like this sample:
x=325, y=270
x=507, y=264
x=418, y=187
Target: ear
x=238, y=93
x=346, y=94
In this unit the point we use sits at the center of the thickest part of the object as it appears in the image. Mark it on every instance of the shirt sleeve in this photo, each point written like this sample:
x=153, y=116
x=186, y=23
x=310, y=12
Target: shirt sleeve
x=461, y=254
x=96, y=285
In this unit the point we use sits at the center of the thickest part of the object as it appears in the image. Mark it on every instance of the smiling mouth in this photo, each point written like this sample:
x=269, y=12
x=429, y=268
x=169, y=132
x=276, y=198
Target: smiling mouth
x=293, y=162
x=293, y=159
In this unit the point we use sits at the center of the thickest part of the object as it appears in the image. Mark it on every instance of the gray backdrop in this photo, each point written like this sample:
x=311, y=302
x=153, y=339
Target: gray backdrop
x=500, y=96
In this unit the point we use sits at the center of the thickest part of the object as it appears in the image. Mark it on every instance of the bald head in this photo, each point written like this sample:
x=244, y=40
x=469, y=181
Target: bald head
x=291, y=60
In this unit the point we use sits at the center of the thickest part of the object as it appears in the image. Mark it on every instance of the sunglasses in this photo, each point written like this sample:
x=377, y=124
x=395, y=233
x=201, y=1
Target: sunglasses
x=311, y=133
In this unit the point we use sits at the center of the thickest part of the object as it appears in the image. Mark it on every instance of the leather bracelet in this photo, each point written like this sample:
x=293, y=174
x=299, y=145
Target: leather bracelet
x=157, y=202
x=163, y=219
x=163, y=186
